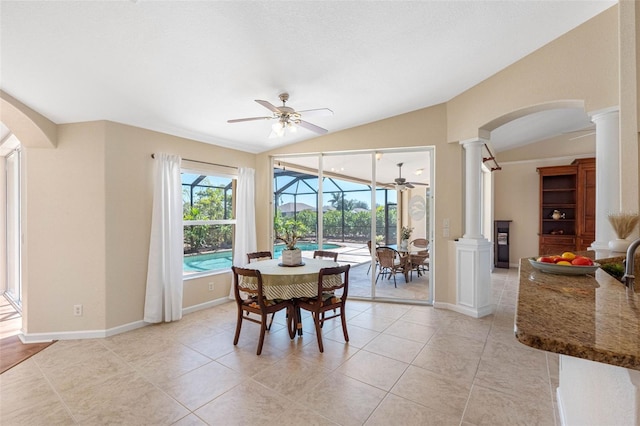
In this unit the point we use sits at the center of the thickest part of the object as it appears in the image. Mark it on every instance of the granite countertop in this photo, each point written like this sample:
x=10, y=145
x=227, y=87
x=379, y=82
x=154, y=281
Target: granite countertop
x=585, y=316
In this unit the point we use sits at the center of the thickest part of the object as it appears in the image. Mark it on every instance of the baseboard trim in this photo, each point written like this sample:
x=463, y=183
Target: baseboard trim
x=206, y=305
x=487, y=310
x=100, y=334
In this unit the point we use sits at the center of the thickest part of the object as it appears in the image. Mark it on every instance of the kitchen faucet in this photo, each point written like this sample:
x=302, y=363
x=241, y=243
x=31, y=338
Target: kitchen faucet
x=629, y=278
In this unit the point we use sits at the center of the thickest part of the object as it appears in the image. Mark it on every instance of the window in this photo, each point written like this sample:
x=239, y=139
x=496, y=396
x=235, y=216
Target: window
x=209, y=217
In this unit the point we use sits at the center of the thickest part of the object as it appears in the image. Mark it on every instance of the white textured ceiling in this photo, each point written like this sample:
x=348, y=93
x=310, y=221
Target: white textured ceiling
x=185, y=68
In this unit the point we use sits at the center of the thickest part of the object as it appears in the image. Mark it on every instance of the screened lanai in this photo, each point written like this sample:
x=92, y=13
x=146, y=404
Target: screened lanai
x=346, y=207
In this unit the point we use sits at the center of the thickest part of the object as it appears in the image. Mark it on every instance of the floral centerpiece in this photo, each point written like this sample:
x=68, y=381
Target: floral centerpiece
x=289, y=232
x=623, y=225
x=405, y=234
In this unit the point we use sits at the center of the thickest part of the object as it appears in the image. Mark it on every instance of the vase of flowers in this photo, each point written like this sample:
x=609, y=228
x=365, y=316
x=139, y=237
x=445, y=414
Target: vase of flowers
x=405, y=234
x=623, y=225
x=289, y=233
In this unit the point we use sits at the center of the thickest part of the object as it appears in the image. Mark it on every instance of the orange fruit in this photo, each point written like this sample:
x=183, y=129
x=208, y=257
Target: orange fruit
x=582, y=261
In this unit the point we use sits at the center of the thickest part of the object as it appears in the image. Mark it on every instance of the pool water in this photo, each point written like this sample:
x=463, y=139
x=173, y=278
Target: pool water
x=222, y=259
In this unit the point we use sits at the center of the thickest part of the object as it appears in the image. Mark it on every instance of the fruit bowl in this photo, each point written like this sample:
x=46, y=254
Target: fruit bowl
x=552, y=268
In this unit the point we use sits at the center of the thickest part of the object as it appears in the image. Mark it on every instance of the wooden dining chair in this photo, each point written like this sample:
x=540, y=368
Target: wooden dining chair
x=322, y=254
x=391, y=263
x=259, y=255
x=249, y=281
x=329, y=299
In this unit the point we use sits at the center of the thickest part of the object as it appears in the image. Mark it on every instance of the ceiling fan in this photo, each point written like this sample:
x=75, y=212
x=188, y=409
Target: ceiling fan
x=288, y=118
x=401, y=183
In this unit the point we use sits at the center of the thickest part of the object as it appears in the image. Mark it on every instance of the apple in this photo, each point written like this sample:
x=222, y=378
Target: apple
x=546, y=259
x=582, y=261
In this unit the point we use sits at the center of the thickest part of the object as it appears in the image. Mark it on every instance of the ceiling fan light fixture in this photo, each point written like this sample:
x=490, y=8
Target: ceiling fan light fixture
x=278, y=128
x=282, y=127
x=287, y=118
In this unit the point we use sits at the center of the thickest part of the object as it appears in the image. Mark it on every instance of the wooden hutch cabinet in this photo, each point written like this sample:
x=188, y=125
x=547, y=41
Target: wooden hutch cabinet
x=570, y=193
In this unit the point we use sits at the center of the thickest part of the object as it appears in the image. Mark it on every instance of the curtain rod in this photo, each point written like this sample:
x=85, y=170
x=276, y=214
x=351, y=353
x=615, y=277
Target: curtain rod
x=204, y=162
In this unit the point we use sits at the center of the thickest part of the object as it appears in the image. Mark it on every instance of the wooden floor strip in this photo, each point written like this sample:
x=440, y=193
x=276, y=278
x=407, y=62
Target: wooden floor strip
x=13, y=351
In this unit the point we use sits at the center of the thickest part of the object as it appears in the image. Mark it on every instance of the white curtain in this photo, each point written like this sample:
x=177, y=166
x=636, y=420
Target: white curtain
x=245, y=238
x=163, y=300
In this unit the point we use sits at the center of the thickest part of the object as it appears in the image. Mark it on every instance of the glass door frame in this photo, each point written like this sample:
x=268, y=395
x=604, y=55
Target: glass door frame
x=429, y=203
x=13, y=230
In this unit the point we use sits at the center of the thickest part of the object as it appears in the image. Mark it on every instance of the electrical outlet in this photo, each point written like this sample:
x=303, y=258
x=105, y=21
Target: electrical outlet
x=77, y=310
x=210, y=286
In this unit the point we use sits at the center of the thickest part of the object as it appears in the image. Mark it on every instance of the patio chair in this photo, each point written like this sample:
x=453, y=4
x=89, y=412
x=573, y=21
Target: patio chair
x=257, y=304
x=420, y=244
x=328, y=300
x=391, y=263
x=259, y=255
x=419, y=262
x=323, y=254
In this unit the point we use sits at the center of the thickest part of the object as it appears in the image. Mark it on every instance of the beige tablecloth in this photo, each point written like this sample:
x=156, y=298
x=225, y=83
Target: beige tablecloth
x=287, y=282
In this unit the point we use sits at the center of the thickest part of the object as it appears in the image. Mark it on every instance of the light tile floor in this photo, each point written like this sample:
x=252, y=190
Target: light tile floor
x=404, y=365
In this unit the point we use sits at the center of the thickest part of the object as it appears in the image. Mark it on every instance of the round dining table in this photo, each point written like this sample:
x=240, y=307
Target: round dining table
x=291, y=282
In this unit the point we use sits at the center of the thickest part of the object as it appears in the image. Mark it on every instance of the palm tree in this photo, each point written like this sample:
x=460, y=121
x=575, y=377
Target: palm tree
x=336, y=200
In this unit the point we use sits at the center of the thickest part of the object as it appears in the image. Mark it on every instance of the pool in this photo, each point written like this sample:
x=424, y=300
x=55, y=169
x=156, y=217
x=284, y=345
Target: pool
x=222, y=259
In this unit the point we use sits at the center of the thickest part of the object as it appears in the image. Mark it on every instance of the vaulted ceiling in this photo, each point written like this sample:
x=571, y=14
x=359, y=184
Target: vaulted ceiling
x=186, y=67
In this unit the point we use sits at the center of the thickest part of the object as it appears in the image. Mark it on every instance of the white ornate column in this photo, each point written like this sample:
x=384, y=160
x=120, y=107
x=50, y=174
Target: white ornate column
x=607, y=174
x=473, y=251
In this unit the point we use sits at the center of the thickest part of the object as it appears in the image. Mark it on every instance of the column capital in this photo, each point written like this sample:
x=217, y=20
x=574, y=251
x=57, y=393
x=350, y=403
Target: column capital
x=613, y=111
x=473, y=142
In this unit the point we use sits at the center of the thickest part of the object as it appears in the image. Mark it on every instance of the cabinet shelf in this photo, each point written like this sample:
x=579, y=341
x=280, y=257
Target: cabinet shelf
x=571, y=190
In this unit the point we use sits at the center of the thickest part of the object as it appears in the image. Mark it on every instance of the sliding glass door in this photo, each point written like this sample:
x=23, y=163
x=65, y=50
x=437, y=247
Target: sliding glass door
x=348, y=200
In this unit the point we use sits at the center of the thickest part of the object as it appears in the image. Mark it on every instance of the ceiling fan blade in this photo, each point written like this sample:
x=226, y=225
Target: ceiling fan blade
x=318, y=112
x=268, y=105
x=409, y=185
x=418, y=183
x=311, y=127
x=239, y=120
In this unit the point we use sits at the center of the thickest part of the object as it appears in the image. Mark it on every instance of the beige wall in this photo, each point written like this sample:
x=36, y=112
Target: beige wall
x=88, y=225
x=129, y=195
x=65, y=228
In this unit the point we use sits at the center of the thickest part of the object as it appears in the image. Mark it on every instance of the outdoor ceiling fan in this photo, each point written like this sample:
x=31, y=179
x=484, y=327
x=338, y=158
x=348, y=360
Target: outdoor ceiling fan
x=288, y=118
x=401, y=183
